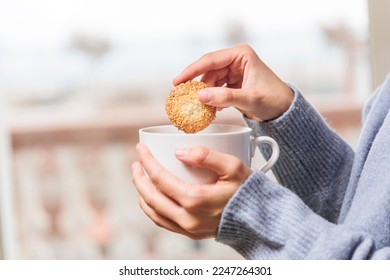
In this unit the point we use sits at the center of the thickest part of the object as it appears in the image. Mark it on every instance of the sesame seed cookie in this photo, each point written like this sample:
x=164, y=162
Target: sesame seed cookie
x=184, y=109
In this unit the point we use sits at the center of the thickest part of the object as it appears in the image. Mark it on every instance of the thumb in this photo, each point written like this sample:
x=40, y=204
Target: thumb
x=222, y=97
x=206, y=158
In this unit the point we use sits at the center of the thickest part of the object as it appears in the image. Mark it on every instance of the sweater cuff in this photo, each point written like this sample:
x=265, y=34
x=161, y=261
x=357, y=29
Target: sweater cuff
x=307, y=146
x=264, y=220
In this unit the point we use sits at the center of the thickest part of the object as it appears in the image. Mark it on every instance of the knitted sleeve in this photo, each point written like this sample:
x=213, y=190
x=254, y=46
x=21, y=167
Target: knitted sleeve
x=297, y=218
x=264, y=220
x=314, y=161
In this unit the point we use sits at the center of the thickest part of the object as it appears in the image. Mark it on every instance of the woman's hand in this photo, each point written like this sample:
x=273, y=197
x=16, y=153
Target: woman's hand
x=251, y=86
x=192, y=210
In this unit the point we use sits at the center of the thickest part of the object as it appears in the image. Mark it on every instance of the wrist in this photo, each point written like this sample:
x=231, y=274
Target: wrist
x=273, y=105
x=284, y=98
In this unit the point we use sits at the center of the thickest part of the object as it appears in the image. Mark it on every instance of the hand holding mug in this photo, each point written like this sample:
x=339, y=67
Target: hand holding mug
x=216, y=161
x=193, y=210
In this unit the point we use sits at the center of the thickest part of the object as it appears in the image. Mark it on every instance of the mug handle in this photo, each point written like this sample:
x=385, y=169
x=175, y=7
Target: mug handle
x=255, y=141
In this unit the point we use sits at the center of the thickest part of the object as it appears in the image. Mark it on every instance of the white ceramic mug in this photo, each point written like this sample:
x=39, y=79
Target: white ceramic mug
x=231, y=139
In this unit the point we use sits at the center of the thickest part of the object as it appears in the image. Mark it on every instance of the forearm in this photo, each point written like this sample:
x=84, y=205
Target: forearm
x=314, y=161
x=274, y=223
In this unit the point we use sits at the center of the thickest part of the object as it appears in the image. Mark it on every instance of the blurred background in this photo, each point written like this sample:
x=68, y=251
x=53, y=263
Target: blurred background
x=79, y=78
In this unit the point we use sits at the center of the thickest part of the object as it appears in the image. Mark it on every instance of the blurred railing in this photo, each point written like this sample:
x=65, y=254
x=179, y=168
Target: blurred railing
x=74, y=197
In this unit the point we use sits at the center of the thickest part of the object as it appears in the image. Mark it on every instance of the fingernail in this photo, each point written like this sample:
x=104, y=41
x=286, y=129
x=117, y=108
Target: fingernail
x=181, y=152
x=204, y=95
x=174, y=81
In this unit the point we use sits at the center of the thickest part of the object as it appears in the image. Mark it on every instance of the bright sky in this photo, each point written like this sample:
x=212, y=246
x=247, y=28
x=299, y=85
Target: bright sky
x=50, y=22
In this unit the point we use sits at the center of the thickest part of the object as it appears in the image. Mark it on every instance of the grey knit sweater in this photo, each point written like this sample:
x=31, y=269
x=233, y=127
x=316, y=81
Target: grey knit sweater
x=330, y=203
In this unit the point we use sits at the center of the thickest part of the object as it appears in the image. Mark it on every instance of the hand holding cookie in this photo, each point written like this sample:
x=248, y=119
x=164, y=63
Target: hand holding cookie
x=238, y=77
x=184, y=109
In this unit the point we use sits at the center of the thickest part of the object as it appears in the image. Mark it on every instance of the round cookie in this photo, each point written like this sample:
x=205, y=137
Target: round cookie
x=184, y=109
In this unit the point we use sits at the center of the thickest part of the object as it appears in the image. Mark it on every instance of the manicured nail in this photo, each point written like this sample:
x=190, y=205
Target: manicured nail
x=181, y=152
x=204, y=95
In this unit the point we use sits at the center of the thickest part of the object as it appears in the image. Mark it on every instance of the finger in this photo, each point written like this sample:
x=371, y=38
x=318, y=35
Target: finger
x=173, y=226
x=152, y=196
x=160, y=209
x=208, y=62
x=223, y=97
x=160, y=220
x=221, y=163
x=165, y=181
x=170, y=225
x=215, y=78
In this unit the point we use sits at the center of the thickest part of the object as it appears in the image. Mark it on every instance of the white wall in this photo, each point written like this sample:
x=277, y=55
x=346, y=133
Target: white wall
x=379, y=39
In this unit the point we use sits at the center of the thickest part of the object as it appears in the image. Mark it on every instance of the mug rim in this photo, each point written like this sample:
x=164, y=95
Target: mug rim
x=239, y=130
